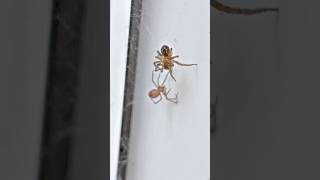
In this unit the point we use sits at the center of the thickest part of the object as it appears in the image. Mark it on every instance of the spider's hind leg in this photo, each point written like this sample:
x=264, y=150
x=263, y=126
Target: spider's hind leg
x=156, y=102
x=174, y=100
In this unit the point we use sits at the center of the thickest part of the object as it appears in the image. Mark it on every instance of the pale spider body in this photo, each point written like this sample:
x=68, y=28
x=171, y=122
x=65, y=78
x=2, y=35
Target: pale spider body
x=154, y=93
x=166, y=60
x=161, y=90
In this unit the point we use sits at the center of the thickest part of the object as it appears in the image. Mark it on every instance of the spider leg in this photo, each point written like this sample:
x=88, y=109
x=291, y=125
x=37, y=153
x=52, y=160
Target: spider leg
x=170, y=71
x=159, y=53
x=155, y=102
x=153, y=79
x=174, y=57
x=168, y=91
x=174, y=100
x=165, y=78
x=158, y=57
x=171, y=51
x=177, y=62
x=157, y=65
x=158, y=79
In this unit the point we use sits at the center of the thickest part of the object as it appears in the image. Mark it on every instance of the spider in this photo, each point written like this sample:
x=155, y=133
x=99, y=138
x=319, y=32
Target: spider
x=166, y=60
x=154, y=93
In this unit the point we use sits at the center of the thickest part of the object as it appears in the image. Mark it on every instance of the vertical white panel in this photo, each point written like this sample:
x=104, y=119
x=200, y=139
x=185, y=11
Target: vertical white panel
x=119, y=31
x=172, y=141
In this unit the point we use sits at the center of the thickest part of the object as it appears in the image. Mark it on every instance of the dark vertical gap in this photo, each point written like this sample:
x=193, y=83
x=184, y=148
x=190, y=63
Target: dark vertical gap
x=213, y=115
x=132, y=54
x=61, y=88
x=216, y=5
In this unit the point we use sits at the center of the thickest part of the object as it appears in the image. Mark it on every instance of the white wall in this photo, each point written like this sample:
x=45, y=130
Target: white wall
x=119, y=31
x=172, y=141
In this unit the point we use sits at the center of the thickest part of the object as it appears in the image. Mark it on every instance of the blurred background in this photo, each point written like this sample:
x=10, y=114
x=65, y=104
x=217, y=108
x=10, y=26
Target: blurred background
x=266, y=74
x=53, y=120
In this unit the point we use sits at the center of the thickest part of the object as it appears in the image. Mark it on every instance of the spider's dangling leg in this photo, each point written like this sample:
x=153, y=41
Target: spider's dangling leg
x=165, y=79
x=170, y=71
x=174, y=100
x=155, y=84
x=156, y=102
x=234, y=10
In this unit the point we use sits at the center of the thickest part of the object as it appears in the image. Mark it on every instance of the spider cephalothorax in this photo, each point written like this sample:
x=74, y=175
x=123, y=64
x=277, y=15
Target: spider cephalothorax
x=166, y=60
x=166, y=51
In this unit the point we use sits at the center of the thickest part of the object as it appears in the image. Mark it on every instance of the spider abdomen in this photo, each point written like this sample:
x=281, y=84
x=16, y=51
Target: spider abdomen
x=167, y=64
x=154, y=93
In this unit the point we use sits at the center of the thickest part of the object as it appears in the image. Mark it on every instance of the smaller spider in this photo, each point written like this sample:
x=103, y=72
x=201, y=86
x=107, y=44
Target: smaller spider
x=166, y=60
x=154, y=93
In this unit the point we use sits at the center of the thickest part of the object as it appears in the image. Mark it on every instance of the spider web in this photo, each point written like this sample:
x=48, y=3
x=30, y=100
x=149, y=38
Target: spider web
x=129, y=86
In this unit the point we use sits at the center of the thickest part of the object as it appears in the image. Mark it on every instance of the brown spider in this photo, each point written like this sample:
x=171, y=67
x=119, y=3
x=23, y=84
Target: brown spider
x=166, y=60
x=154, y=93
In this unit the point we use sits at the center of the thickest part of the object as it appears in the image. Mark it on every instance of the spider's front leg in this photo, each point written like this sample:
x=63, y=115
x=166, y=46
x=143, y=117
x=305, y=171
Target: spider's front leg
x=173, y=57
x=158, y=57
x=181, y=64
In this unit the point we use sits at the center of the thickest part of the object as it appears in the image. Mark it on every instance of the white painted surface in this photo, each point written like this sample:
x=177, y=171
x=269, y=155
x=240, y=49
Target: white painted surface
x=172, y=141
x=119, y=31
